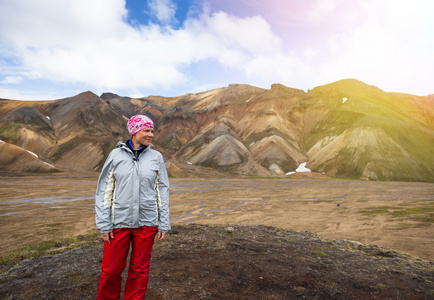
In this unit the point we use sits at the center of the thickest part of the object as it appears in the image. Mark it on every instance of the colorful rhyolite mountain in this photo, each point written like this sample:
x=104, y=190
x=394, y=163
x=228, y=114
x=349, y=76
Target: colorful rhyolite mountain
x=345, y=129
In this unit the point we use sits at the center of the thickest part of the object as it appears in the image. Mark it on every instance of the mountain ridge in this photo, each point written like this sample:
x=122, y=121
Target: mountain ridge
x=345, y=129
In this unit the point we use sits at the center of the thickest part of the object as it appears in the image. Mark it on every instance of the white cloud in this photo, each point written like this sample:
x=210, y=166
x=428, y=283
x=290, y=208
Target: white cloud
x=231, y=40
x=80, y=41
x=12, y=80
x=64, y=42
x=164, y=10
x=52, y=23
x=321, y=10
x=18, y=94
x=390, y=48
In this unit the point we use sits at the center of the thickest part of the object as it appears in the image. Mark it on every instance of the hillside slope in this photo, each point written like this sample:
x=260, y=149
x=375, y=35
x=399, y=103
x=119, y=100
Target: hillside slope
x=17, y=159
x=366, y=133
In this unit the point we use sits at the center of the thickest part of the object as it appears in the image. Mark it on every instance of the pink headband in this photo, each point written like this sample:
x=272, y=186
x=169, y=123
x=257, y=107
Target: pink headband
x=137, y=123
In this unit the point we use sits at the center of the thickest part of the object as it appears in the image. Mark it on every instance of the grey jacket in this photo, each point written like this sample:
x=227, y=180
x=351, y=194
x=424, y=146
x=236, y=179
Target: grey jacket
x=132, y=192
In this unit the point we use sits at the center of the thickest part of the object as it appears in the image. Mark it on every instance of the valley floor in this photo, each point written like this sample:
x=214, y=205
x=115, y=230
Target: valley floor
x=396, y=215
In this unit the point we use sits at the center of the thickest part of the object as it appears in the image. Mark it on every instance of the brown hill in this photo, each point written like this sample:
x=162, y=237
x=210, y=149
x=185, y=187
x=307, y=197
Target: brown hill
x=74, y=133
x=16, y=159
x=343, y=129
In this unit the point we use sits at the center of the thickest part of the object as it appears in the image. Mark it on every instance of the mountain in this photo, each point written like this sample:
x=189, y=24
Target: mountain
x=372, y=135
x=74, y=133
x=346, y=129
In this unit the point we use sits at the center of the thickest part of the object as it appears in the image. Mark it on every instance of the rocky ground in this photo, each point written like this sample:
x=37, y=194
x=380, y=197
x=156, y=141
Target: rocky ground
x=248, y=262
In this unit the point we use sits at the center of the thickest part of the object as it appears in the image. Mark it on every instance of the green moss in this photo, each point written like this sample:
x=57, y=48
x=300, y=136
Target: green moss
x=333, y=123
x=8, y=131
x=422, y=215
x=49, y=247
x=196, y=144
x=63, y=149
x=323, y=201
x=171, y=144
x=413, y=210
x=376, y=210
x=107, y=148
x=429, y=219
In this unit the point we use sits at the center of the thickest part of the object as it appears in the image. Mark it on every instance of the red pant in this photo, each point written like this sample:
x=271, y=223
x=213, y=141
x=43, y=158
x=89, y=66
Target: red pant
x=115, y=259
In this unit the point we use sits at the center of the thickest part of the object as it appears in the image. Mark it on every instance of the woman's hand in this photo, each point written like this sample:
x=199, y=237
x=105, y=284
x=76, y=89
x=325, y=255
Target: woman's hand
x=161, y=235
x=107, y=236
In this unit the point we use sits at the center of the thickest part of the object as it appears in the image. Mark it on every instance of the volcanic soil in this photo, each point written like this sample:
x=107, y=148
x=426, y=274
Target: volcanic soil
x=241, y=262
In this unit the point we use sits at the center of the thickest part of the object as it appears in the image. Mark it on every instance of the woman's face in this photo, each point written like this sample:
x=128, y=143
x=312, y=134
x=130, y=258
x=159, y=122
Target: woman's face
x=144, y=136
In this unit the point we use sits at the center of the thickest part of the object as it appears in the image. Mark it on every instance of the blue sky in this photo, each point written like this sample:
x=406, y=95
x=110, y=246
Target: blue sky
x=51, y=49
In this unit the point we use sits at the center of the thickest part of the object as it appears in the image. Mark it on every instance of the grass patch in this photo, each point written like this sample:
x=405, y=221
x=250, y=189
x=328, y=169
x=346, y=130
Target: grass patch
x=413, y=210
x=48, y=247
x=8, y=132
x=403, y=226
x=422, y=215
x=424, y=219
x=375, y=210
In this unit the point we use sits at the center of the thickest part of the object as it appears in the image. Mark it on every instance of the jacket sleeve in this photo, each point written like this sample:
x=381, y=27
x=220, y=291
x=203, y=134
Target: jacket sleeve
x=104, y=197
x=163, y=192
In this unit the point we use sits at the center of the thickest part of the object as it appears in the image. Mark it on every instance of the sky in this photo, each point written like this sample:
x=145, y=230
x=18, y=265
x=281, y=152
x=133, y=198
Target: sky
x=53, y=49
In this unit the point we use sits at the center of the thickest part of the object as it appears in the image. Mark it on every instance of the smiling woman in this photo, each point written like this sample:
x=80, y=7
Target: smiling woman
x=131, y=208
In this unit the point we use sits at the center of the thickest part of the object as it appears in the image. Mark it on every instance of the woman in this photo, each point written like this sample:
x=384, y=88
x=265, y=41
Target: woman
x=132, y=207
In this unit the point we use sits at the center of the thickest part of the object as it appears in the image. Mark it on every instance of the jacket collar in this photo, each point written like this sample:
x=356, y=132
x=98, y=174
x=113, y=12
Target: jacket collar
x=124, y=145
